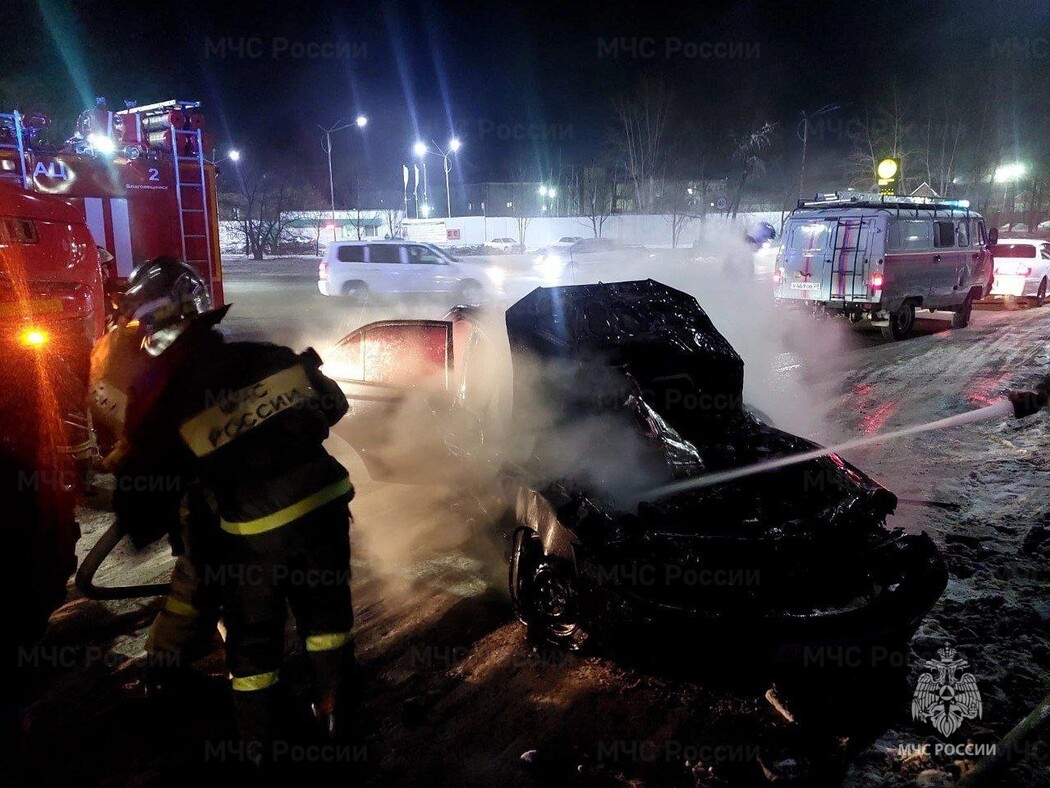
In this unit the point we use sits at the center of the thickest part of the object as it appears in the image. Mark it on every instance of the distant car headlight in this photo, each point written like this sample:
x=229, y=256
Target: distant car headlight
x=550, y=266
x=496, y=275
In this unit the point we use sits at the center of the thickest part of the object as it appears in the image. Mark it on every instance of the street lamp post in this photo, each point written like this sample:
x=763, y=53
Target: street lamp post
x=233, y=155
x=326, y=145
x=547, y=192
x=421, y=150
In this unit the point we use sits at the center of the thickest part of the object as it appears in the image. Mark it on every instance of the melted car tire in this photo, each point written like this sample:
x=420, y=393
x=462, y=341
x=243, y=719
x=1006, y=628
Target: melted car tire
x=901, y=323
x=546, y=595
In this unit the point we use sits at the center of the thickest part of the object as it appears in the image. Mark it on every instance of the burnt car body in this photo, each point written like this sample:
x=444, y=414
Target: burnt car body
x=796, y=552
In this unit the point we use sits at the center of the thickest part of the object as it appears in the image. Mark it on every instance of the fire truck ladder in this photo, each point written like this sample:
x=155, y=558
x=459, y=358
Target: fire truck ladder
x=12, y=122
x=192, y=198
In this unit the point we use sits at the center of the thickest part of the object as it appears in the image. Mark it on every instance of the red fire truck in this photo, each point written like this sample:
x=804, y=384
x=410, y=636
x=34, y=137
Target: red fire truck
x=140, y=177
x=136, y=183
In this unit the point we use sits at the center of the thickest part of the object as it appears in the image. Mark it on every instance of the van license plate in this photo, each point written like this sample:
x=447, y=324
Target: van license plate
x=805, y=285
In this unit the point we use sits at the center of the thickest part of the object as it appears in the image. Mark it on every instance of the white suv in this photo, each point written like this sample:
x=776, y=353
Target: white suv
x=358, y=269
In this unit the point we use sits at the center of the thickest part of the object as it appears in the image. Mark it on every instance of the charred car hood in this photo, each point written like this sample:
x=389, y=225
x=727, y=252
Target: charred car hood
x=649, y=355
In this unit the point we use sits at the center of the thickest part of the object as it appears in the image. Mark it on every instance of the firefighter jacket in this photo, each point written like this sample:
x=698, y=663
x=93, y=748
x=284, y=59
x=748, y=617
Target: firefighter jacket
x=246, y=418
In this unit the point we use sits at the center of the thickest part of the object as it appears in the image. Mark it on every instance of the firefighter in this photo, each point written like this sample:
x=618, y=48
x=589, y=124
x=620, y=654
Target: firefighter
x=248, y=419
x=185, y=626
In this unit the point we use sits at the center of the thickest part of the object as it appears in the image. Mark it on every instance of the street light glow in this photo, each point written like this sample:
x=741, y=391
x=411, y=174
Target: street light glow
x=235, y=155
x=361, y=121
x=1006, y=173
x=454, y=144
x=420, y=149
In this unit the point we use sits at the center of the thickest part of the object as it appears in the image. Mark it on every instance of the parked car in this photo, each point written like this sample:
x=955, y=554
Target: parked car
x=1022, y=269
x=880, y=259
x=503, y=244
x=638, y=390
x=566, y=240
x=360, y=269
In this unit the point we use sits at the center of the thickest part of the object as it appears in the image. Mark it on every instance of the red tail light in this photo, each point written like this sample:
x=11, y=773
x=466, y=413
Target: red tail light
x=876, y=280
x=776, y=277
x=322, y=271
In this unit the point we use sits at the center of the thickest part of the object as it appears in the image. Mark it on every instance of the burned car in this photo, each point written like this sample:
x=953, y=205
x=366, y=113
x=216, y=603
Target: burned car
x=596, y=399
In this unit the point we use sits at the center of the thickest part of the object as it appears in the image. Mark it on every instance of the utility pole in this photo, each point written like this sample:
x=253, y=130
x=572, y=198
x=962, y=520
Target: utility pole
x=804, y=136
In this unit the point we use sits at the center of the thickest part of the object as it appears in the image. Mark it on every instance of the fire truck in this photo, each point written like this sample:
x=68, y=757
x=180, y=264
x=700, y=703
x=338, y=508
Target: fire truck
x=135, y=183
x=140, y=177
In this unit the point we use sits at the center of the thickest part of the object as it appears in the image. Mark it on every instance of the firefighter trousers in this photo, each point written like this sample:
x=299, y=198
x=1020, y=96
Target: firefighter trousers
x=185, y=627
x=304, y=565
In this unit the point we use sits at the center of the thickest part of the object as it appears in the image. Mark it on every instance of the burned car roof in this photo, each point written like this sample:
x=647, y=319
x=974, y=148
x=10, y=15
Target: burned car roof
x=657, y=335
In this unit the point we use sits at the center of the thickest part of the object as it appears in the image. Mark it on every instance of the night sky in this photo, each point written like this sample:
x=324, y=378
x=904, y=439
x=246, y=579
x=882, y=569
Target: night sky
x=521, y=84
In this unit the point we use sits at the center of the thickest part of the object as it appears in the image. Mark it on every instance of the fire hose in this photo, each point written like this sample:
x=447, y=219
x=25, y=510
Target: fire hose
x=1014, y=746
x=85, y=578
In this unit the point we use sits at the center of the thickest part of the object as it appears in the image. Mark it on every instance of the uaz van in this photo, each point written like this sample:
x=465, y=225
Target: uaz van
x=876, y=258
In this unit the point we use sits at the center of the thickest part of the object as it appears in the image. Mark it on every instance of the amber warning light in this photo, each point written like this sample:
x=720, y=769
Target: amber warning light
x=34, y=337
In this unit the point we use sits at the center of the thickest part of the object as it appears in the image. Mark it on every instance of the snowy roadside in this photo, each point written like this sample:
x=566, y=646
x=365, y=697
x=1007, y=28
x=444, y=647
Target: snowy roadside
x=995, y=611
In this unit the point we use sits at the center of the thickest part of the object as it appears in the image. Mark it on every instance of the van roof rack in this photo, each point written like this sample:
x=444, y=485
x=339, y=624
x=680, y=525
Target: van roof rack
x=896, y=202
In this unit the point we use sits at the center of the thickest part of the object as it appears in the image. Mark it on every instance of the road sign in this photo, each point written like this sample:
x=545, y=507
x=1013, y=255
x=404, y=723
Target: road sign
x=721, y=203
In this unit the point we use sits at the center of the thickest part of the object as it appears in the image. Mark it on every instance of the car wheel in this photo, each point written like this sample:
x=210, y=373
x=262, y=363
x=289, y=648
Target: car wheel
x=1040, y=295
x=470, y=293
x=355, y=291
x=546, y=594
x=961, y=316
x=901, y=324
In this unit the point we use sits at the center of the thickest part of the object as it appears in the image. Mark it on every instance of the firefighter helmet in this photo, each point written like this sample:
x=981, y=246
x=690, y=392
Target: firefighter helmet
x=162, y=295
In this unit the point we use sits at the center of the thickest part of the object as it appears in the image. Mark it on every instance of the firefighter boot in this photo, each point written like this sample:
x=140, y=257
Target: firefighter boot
x=334, y=676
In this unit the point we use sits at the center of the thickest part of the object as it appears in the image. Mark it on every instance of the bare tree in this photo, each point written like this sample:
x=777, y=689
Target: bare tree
x=643, y=123
x=750, y=151
x=393, y=217
x=261, y=203
x=885, y=132
x=595, y=196
x=521, y=194
x=680, y=202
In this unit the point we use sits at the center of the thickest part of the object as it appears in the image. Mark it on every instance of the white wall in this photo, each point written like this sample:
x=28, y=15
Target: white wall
x=630, y=229
x=652, y=230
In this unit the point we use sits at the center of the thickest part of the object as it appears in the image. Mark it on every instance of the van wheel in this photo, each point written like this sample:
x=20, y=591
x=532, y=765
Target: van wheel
x=355, y=291
x=961, y=316
x=470, y=293
x=1040, y=295
x=901, y=323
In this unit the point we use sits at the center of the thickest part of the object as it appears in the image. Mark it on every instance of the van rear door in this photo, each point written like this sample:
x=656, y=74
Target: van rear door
x=806, y=240
x=827, y=259
x=845, y=274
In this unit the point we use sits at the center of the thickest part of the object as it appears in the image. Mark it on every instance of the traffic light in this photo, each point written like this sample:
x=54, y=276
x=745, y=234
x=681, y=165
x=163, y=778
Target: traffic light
x=886, y=175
